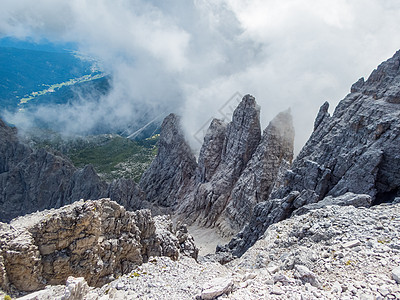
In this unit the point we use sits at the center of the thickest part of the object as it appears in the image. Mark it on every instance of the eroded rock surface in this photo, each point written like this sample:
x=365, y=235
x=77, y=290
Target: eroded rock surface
x=354, y=150
x=256, y=182
x=98, y=240
x=335, y=252
x=171, y=172
x=237, y=168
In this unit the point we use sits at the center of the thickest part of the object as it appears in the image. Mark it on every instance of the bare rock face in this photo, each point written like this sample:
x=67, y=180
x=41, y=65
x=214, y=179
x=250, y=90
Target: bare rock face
x=237, y=168
x=353, y=151
x=36, y=180
x=211, y=151
x=258, y=178
x=170, y=173
x=127, y=193
x=97, y=240
x=227, y=151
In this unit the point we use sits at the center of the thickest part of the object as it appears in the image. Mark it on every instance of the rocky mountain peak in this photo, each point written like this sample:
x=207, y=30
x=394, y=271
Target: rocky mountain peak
x=353, y=151
x=242, y=136
x=384, y=82
x=211, y=150
x=233, y=157
x=171, y=171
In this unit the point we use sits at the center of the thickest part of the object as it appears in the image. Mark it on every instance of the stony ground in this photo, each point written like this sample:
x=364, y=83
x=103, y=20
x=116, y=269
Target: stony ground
x=330, y=253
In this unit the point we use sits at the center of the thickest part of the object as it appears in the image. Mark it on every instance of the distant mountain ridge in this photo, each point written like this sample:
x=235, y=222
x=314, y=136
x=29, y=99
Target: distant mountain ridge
x=32, y=180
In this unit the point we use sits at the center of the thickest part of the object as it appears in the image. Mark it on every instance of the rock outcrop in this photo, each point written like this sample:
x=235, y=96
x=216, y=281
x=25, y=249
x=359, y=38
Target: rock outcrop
x=354, y=150
x=97, y=240
x=237, y=168
x=36, y=180
x=335, y=252
x=169, y=175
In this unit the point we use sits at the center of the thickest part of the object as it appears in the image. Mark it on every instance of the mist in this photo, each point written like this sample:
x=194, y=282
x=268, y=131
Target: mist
x=196, y=57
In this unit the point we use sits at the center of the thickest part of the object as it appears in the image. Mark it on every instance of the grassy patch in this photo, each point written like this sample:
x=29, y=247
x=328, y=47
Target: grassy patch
x=112, y=156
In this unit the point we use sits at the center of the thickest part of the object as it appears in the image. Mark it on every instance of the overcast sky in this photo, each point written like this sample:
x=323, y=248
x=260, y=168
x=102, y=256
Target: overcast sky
x=190, y=57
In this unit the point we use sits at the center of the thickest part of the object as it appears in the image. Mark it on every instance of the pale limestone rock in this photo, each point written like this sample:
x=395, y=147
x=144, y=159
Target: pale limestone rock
x=97, y=240
x=216, y=288
x=75, y=288
x=396, y=274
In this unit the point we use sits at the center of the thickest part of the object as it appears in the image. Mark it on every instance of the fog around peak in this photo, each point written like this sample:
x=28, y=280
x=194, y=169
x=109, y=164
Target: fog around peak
x=195, y=57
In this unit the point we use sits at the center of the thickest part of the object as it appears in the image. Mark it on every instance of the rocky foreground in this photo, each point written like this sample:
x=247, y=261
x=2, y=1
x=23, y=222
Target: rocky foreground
x=335, y=252
x=98, y=240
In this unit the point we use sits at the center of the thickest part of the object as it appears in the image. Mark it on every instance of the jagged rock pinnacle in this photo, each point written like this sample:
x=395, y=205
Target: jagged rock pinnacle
x=172, y=170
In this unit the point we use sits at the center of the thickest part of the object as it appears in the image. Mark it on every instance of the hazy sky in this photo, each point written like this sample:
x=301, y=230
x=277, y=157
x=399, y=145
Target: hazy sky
x=192, y=56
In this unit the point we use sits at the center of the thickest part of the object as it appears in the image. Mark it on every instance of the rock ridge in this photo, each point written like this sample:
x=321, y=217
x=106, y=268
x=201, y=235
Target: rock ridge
x=37, y=180
x=237, y=168
x=352, y=151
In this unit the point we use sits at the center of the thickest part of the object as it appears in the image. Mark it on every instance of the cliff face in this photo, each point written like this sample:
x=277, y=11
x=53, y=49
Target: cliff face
x=236, y=169
x=355, y=150
x=98, y=240
x=273, y=154
x=170, y=173
x=229, y=151
x=36, y=180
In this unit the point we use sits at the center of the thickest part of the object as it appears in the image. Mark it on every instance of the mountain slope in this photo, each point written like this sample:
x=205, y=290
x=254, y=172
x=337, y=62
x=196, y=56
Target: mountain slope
x=354, y=150
x=32, y=180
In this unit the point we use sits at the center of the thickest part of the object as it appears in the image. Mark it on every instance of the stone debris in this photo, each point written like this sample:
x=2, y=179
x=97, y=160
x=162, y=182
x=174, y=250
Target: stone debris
x=307, y=256
x=98, y=240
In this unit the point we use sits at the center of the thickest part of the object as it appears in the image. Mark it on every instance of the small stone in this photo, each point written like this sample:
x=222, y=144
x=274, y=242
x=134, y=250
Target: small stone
x=280, y=278
x=216, y=287
x=269, y=282
x=336, y=287
x=120, y=285
x=276, y=291
x=248, y=276
x=272, y=269
x=305, y=275
x=383, y=291
x=367, y=297
x=75, y=289
x=308, y=287
x=396, y=274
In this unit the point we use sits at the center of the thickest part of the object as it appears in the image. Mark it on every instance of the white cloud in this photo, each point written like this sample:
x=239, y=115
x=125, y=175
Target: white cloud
x=191, y=56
